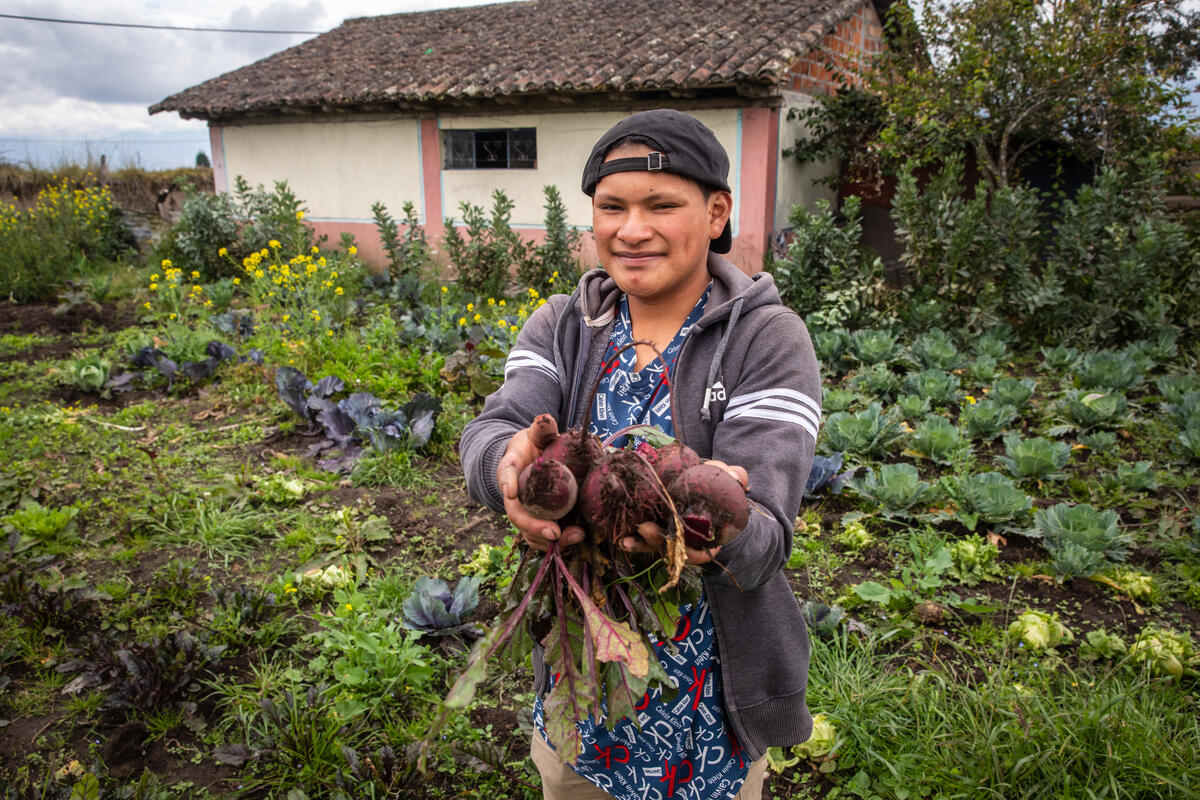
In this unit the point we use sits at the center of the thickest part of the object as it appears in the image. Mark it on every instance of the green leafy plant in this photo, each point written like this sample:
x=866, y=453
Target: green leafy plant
x=876, y=381
x=1034, y=457
x=1094, y=409
x=987, y=418
x=1131, y=582
x=490, y=249
x=837, y=400
x=1038, y=631
x=975, y=559
x=874, y=346
x=1108, y=369
x=992, y=346
x=935, y=350
x=1060, y=358
x=1187, y=443
x=86, y=372
x=1100, y=645
x=938, y=386
x=1013, y=392
x=913, y=406
x=1081, y=539
x=1174, y=388
x=1165, y=651
x=1098, y=441
x=1185, y=409
x=492, y=563
x=870, y=432
x=987, y=497
x=829, y=345
x=1138, y=477
x=937, y=439
x=554, y=264
x=896, y=488
x=854, y=536
x=982, y=369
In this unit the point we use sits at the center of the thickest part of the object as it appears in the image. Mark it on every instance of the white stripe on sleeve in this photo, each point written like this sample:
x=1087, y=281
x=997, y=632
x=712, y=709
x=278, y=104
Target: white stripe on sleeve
x=781, y=392
x=759, y=412
x=779, y=405
x=518, y=359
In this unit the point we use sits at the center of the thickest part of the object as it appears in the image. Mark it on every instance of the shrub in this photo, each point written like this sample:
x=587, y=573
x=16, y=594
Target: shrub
x=554, y=264
x=491, y=247
x=67, y=231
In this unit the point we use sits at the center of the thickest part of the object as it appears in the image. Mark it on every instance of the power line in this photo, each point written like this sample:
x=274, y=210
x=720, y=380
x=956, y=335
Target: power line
x=35, y=140
x=151, y=27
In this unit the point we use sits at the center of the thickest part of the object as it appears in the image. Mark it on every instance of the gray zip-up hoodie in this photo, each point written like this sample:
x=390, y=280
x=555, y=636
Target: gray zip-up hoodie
x=747, y=391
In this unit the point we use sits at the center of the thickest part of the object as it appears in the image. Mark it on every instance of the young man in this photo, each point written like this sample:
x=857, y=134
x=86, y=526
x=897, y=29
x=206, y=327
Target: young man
x=747, y=395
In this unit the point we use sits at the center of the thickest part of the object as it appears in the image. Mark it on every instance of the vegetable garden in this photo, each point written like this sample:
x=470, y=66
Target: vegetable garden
x=239, y=560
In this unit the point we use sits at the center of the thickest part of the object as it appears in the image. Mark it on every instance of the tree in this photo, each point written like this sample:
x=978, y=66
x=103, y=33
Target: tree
x=202, y=159
x=1104, y=78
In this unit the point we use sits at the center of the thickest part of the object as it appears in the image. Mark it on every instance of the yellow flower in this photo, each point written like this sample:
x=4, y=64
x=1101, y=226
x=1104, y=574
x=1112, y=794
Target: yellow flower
x=316, y=249
x=264, y=252
x=352, y=250
x=172, y=316
x=338, y=291
x=316, y=315
x=970, y=399
x=491, y=301
x=462, y=320
x=195, y=274
x=146, y=304
x=477, y=318
x=224, y=251
x=154, y=287
x=502, y=324
x=443, y=290
x=349, y=607
x=237, y=281
x=502, y=303
x=274, y=243
x=166, y=262
x=154, y=277
x=299, y=215
x=470, y=306
x=286, y=317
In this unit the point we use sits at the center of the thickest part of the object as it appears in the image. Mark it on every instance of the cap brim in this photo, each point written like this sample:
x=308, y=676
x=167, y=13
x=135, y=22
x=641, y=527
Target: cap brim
x=724, y=242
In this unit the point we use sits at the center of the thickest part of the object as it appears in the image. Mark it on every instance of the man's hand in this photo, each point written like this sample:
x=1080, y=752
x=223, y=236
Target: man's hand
x=537, y=533
x=650, y=536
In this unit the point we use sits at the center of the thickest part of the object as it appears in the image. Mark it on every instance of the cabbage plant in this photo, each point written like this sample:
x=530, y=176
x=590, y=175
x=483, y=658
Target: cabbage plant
x=1187, y=443
x=986, y=419
x=434, y=610
x=1094, y=409
x=913, y=406
x=1108, y=369
x=1185, y=409
x=873, y=346
x=877, y=380
x=894, y=487
x=1060, y=358
x=987, y=497
x=991, y=345
x=1100, y=644
x=1035, y=457
x=936, y=385
x=936, y=438
x=837, y=400
x=1164, y=651
x=1013, y=392
x=1173, y=388
x=1082, y=540
x=982, y=369
x=1039, y=631
x=829, y=345
x=868, y=433
x=1138, y=477
x=86, y=372
x=975, y=559
x=936, y=350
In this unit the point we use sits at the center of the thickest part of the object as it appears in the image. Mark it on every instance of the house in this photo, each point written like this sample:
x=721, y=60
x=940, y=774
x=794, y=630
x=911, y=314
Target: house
x=443, y=107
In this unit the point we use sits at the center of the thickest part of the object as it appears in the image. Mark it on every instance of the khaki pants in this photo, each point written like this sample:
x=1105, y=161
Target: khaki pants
x=560, y=782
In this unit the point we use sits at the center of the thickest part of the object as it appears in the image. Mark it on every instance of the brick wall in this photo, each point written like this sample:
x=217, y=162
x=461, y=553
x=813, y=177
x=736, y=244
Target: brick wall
x=844, y=50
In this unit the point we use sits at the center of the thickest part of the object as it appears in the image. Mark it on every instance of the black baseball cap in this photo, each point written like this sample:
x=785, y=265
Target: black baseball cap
x=683, y=145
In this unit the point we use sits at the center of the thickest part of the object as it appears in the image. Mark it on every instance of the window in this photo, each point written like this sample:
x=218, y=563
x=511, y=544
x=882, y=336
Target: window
x=504, y=148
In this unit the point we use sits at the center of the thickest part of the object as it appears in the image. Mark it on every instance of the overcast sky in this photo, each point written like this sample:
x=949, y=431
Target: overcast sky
x=69, y=91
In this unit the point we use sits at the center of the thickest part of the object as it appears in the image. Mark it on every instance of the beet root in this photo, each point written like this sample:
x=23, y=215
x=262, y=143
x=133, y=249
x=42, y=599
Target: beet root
x=620, y=493
x=671, y=460
x=712, y=504
x=547, y=489
x=577, y=451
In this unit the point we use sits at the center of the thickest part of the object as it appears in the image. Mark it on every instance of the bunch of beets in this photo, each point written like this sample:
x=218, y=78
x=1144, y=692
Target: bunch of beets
x=593, y=606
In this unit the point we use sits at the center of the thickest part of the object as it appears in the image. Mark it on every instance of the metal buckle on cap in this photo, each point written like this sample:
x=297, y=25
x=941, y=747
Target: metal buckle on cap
x=654, y=161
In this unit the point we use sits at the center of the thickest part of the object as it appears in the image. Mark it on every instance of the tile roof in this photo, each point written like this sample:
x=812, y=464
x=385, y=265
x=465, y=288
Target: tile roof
x=536, y=47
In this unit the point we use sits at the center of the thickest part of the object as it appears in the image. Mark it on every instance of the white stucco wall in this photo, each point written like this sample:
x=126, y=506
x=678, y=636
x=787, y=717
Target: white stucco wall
x=337, y=168
x=794, y=185
x=564, y=141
